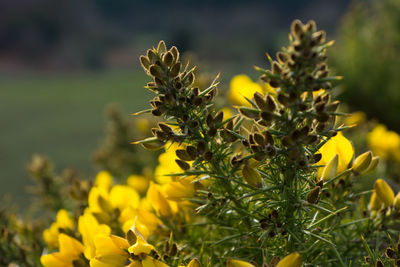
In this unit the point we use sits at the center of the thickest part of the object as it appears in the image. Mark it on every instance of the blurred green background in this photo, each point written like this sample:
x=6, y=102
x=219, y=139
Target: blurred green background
x=62, y=62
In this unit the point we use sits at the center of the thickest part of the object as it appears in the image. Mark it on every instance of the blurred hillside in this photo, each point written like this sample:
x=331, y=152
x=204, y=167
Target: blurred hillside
x=62, y=62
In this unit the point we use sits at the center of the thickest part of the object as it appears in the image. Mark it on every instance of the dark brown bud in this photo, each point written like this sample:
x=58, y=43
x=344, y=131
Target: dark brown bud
x=182, y=164
x=174, y=71
x=333, y=106
x=282, y=57
x=197, y=101
x=270, y=103
x=379, y=263
x=261, y=103
x=266, y=116
x=145, y=62
x=297, y=28
x=208, y=155
x=317, y=157
x=276, y=69
x=192, y=152
x=212, y=132
x=210, y=120
x=218, y=118
x=175, y=53
x=151, y=55
x=162, y=136
x=183, y=155
x=313, y=195
x=311, y=139
x=283, y=98
x=190, y=78
x=249, y=112
x=274, y=83
x=390, y=253
x=259, y=139
x=168, y=58
x=322, y=117
x=161, y=48
x=156, y=71
x=319, y=107
x=156, y=112
x=165, y=128
x=201, y=147
x=173, y=250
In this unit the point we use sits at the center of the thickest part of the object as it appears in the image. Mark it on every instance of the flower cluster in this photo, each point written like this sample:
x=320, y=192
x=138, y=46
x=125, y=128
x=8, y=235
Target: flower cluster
x=277, y=184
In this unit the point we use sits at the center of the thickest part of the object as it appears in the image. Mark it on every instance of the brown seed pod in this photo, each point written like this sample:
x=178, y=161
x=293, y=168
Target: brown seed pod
x=313, y=195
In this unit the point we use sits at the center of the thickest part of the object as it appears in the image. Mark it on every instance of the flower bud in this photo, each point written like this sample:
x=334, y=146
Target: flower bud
x=330, y=169
x=174, y=71
x=194, y=263
x=372, y=166
x=384, y=192
x=362, y=162
x=291, y=260
x=238, y=263
x=396, y=201
x=313, y=195
x=374, y=203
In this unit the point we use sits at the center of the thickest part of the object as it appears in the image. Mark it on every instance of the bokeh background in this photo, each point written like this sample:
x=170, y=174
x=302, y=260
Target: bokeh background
x=63, y=62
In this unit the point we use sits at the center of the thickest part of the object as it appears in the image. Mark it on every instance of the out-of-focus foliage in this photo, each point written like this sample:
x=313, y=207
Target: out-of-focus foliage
x=116, y=154
x=368, y=52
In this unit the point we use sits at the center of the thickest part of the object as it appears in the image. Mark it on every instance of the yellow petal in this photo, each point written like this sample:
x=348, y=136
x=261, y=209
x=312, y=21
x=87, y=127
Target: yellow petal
x=291, y=260
x=336, y=145
x=55, y=260
x=64, y=220
x=384, y=192
x=138, y=182
x=69, y=245
x=141, y=246
x=110, y=245
x=109, y=261
x=242, y=86
x=375, y=203
x=158, y=201
x=103, y=180
x=238, y=263
x=89, y=229
x=122, y=196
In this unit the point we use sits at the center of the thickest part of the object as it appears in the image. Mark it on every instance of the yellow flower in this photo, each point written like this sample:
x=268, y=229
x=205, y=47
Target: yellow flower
x=396, y=201
x=63, y=221
x=291, y=260
x=179, y=190
x=70, y=249
x=339, y=145
x=167, y=164
x=355, y=118
x=384, y=143
x=110, y=251
x=242, y=86
x=122, y=196
x=89, y=229
x=384, y=192
x=138, y=182
x=103, y=180
x=146, y=221
x=141, y=246
x=238, y=263
x=160, y=204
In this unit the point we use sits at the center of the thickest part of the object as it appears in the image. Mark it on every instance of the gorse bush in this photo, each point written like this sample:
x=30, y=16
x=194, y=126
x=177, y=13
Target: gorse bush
x=274, y=185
